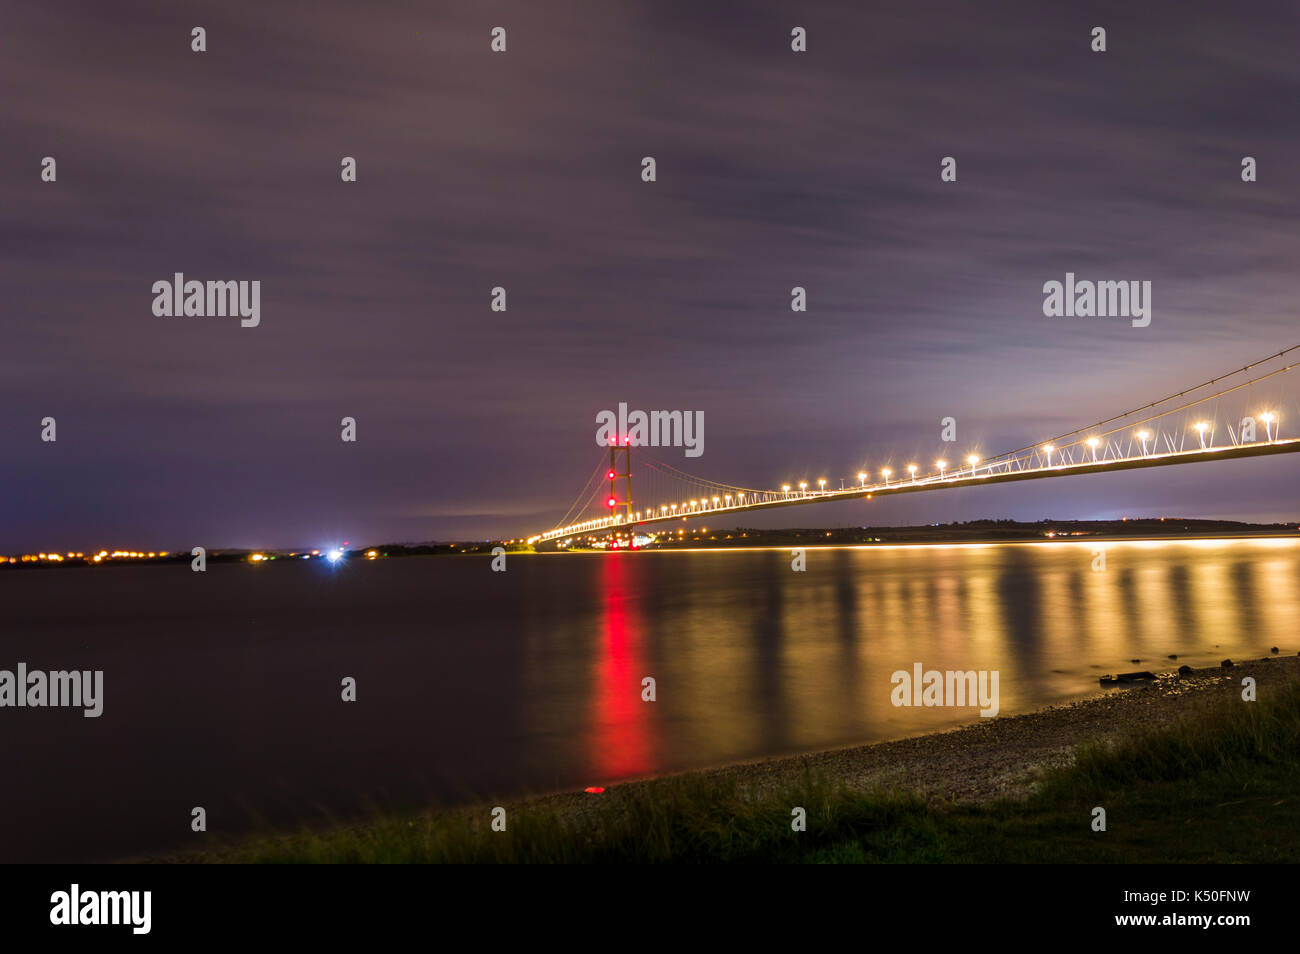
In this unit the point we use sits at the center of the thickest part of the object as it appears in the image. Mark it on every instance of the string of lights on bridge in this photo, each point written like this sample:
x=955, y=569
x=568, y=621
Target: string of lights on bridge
x=1142, y=441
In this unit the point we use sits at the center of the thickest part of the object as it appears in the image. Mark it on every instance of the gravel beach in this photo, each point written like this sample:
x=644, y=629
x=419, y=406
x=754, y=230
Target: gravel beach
x=1003, y=757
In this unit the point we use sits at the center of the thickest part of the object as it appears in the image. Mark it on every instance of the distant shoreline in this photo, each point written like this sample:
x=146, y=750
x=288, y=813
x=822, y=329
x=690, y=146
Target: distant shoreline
x=975, y=542
x=973, y=533
x=976, y=532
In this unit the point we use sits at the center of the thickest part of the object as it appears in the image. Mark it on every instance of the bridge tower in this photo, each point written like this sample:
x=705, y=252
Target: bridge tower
x=614, y=476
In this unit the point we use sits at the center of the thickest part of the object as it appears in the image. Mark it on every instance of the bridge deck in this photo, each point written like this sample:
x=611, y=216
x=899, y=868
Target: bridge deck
x=1261, y=449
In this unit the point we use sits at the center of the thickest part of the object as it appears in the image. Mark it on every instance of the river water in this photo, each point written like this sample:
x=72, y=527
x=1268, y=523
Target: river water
x=223, y=689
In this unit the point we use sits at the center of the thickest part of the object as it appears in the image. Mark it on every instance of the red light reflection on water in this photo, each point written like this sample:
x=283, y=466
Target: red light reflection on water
x=621, y=732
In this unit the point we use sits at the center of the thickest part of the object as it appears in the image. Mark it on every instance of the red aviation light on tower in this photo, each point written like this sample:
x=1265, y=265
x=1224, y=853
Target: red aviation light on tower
x=610, y=475
x=612, y=502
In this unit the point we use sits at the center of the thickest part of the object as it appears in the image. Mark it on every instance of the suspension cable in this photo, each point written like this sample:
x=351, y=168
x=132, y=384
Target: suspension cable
x=1181, y=407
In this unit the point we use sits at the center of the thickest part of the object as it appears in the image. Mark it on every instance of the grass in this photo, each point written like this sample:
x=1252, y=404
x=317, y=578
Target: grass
x=1220, y=785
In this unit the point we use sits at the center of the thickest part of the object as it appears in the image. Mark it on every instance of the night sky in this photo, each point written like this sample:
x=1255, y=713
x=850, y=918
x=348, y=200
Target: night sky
x=523, y=170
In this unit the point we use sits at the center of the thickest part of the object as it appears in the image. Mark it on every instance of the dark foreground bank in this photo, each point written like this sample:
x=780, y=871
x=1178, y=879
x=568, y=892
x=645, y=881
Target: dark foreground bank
x=1185, y=771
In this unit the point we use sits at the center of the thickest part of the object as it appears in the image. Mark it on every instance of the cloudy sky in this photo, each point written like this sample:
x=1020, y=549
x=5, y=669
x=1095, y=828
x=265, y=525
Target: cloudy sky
x=522, y=169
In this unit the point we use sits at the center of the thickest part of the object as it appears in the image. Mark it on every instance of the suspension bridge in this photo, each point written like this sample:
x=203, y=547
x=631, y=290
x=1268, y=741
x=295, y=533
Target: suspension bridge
x=1237, y=414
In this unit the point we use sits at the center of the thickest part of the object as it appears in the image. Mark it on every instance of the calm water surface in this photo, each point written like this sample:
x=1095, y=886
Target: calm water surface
x=223, y=689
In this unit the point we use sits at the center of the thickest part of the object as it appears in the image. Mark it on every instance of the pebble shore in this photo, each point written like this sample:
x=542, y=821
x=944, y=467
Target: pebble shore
x=1003, y=757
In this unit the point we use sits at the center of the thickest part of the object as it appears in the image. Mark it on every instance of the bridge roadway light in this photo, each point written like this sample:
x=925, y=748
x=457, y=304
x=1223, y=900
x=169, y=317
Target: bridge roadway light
x=941, y=464
x=862, y=478
x=1200, y=429
x=1144, y=436
x=1047, y=449
x=972, y=460
x=911, y=469
x=1093, y=442
x=885, y=472
x=803, y=487
x=1269, y=417
x=785, y=488
x=821, y=482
